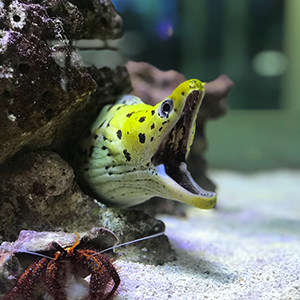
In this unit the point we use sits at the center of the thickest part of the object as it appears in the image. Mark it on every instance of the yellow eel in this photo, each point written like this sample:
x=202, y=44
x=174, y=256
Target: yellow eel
x=137, y=151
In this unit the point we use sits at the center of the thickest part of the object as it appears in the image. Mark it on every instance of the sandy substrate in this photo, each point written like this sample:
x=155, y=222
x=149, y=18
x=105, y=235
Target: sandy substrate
x=247, y=248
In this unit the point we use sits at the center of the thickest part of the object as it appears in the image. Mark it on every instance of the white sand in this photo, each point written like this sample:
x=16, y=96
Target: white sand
x=247, y=248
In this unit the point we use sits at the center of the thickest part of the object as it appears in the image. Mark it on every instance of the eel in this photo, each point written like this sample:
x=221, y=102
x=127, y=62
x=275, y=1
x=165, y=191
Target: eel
x=137, y=151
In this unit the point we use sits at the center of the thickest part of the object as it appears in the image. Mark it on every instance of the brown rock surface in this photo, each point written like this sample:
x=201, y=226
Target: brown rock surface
x=39, y=85
x=38, y=192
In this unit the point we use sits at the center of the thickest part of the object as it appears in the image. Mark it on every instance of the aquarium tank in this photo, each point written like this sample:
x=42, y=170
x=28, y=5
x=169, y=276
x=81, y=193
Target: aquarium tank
x=82, y=151
x=253, y=42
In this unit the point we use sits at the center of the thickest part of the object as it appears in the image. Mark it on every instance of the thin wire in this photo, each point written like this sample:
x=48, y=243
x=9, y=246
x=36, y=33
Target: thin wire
x=107, y=249
x=37, y=254
x=134, y=241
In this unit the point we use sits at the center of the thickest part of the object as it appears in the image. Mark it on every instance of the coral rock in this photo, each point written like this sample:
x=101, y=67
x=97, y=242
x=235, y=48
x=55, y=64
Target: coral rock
x=101, y=20
x=39, y=84
x=38, y=192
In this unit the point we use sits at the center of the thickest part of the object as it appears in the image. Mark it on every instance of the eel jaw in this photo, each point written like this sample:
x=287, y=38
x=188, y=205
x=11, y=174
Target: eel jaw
x=169, y=159
x=182, y=187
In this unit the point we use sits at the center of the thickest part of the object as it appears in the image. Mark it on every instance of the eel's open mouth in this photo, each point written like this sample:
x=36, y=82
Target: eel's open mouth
x=172, y=151
x=119, y=169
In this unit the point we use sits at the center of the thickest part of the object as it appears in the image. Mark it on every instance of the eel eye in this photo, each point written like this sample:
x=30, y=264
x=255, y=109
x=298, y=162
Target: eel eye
x=166, y=107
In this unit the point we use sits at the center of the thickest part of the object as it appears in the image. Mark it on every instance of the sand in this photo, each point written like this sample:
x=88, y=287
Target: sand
x=247, y=248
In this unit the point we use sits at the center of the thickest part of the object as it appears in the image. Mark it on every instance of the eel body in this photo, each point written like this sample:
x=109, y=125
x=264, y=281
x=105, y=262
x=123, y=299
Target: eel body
x=137, y=151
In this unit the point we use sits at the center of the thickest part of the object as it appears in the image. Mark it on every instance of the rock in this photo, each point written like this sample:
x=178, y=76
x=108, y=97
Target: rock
x=129, y=225
x=151, y=84
x=214, y=103
x=110, y=85
x=101, y=20
x=39, y=85
x=44, y=86
x=38, y=192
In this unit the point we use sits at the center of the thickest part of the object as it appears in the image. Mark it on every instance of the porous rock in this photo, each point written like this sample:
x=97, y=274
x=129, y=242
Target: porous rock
x=129, y=225
x=101, y=20
x=39, y=84
x=151, y=84
x=38, y=192
x=111, y=83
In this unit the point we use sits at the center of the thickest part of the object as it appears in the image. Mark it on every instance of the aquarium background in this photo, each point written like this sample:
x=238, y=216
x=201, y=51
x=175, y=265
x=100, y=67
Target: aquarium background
x=256, y=43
